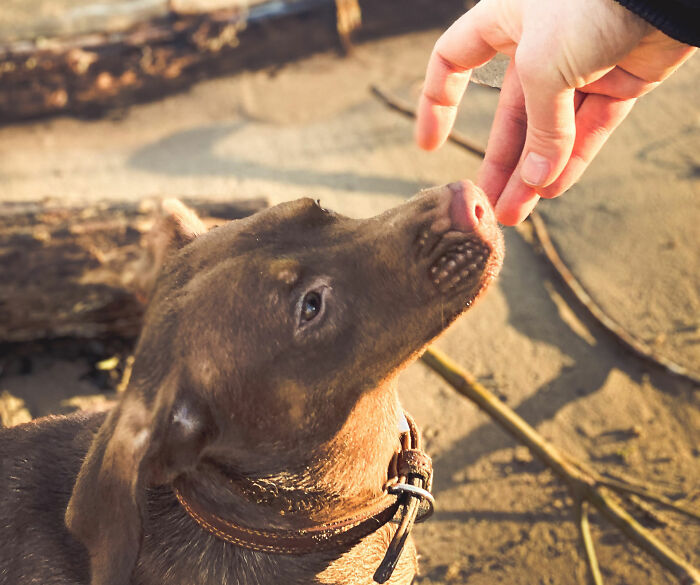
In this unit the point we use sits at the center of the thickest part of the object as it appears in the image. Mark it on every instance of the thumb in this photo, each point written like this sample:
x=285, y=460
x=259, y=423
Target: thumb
x=551, y=121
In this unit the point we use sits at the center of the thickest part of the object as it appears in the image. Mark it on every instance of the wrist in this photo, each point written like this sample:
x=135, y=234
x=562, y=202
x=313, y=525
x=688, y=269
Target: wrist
x=677, y=19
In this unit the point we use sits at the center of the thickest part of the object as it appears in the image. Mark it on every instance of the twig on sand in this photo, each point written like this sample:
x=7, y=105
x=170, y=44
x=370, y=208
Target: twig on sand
x=650, y=496
x=586, y=486
x=549, y=252
x=407, y=109
x=584, y=528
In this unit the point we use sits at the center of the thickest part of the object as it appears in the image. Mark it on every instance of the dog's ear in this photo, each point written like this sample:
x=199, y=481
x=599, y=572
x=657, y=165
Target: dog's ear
x=175, y=226
x=138, y=445
x=179, y=223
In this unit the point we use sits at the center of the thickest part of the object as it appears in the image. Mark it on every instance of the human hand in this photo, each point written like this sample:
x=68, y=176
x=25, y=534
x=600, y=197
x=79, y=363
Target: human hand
x=577, y=69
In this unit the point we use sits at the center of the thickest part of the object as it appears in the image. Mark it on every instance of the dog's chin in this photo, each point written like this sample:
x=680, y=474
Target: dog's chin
x=454, y=295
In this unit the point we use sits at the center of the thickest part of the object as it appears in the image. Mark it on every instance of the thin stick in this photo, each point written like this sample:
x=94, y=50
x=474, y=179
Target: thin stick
x=617, y=475
x=650, y=513
x=650, y=496
x=627, y=486
x=581, y=483
x=640, y=536
x=407, y=110
x=584, y=528
x=467, y=386
x=550, y=254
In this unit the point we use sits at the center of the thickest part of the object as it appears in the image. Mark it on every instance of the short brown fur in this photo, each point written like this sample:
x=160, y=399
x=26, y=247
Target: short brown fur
x=269, y=417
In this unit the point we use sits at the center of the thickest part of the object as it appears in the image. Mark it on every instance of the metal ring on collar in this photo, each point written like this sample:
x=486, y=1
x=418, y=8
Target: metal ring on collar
x=417, y=492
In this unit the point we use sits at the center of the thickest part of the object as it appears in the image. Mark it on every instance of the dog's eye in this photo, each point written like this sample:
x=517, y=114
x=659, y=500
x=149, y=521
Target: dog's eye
x=311, y=306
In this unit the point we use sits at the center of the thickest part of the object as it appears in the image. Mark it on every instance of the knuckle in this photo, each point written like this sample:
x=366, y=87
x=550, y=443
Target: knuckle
x=529, y=70
x=499, y=164
x=541, y=136
x=516, y=115
x=534, y=69
x=438, y=98
x=599, y=132
x=537, y=66
x=445, y=88
x=444, y=63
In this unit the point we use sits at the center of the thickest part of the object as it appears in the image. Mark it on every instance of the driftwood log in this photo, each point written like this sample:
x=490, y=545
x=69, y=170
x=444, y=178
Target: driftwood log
x=87, y=74
x=71, y=271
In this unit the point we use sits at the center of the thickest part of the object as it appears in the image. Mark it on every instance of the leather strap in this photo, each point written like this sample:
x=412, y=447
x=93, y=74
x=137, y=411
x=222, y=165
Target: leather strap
x=409, y=466
x=327, y=536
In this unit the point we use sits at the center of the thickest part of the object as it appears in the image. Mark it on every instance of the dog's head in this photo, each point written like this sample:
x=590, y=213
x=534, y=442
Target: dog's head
x=266, y=332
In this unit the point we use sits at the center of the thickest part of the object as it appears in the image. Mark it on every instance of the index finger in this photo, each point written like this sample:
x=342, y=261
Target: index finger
x=461, y=48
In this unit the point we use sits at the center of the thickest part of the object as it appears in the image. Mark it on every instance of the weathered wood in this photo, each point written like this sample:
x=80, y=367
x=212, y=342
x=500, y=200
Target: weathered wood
x=31, y=19
x=89, y=74
x=70, y=271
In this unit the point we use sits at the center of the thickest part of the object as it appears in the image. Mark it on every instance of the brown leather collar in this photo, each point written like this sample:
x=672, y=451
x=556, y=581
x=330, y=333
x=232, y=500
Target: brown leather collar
x=407, y=492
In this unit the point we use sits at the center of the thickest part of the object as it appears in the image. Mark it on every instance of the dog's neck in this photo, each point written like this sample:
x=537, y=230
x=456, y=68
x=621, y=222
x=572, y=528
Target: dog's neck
x=337, y=478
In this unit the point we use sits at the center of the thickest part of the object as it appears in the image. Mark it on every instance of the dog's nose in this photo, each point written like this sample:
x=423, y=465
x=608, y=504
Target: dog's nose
x=469, y=206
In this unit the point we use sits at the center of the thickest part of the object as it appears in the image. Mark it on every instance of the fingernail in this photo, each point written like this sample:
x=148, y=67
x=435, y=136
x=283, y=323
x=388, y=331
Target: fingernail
x=535, y=170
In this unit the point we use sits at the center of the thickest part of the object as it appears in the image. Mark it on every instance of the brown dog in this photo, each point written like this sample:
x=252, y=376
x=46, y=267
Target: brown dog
x=264, y=389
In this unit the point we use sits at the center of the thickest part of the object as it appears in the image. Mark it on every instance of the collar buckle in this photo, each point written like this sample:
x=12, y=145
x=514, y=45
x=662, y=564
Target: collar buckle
x=426, y=506
x=412, y=486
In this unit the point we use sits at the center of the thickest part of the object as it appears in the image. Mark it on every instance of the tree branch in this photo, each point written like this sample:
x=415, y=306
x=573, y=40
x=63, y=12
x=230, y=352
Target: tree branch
x=584, y=485
x=584, y=528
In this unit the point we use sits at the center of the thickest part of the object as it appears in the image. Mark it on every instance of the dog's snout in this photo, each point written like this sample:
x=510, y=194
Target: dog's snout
x=468, y=207
x=458, y=236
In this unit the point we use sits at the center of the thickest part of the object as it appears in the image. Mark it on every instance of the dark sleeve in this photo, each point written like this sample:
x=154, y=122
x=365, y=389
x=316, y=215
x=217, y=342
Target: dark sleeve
x=679, y=19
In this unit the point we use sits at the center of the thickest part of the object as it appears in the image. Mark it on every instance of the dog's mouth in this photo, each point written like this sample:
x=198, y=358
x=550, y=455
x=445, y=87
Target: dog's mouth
x=459, y=264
